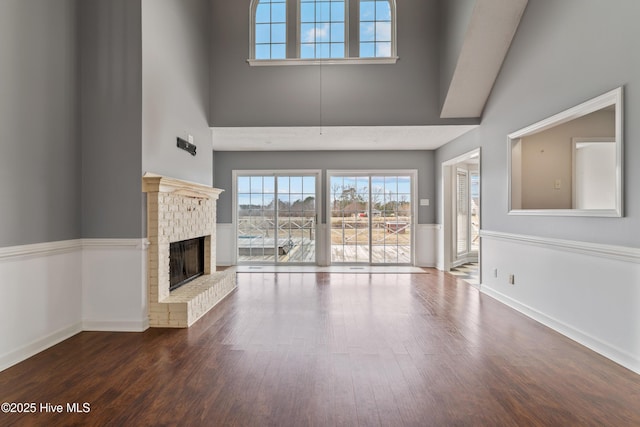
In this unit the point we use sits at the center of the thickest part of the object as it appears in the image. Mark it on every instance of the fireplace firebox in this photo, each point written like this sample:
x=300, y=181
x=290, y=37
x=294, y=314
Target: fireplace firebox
x=186, y=261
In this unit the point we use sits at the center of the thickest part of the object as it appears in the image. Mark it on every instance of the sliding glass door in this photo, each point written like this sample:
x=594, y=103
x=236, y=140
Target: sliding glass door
x=371, y=217
x=276, y=217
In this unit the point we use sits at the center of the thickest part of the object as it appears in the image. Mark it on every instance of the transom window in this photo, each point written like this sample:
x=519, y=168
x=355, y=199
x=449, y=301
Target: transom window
x=321, y=30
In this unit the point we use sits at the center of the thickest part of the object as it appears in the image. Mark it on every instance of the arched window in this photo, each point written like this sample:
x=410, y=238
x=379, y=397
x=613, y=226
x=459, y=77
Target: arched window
x=269, y=24
x=344, y=31
x=377, y=28
x=322, y=28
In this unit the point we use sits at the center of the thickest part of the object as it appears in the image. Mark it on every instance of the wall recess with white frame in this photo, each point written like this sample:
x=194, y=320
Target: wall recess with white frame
x=547, y=162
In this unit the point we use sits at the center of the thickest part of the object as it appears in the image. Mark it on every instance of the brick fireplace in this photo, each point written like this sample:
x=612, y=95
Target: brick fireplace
x=177, y=211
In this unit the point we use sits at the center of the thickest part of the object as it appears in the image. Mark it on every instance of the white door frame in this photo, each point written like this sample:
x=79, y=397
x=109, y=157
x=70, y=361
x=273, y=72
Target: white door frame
x=413, y=173
x=280, y=172
x=448, y=174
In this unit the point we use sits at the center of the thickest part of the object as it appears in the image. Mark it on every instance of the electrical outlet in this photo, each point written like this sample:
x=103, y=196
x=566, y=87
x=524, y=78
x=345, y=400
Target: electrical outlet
x=190, y=139
x=512, y=279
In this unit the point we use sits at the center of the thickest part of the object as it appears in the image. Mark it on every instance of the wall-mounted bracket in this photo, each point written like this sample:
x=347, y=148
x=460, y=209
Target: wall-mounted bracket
x=187, y=146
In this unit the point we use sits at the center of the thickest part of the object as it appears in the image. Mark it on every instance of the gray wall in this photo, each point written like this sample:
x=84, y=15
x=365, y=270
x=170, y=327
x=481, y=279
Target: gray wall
x=422, y=161
x=564, y=53
x=110, y=116
x=39, y=163
x=456, y=15
x=405, y=93
x=175, y=81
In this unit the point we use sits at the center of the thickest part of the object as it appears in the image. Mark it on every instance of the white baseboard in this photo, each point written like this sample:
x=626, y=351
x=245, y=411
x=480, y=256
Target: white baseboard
x=26, y=351
x=617, y=355
x=586, y=291
x=116, y=326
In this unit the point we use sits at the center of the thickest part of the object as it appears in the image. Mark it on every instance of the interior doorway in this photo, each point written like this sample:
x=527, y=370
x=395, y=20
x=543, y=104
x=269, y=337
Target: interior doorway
x=461, y=211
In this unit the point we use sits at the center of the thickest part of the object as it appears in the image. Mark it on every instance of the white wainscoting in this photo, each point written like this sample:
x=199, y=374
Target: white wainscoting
x=114, y=289
x=41, y=298
x=225, y=244
x=426, y=245
x=51, y=291
x=588, y=292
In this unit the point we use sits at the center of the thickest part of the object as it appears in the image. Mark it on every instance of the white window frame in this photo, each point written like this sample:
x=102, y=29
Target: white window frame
x=317, y=173
x=392, y=5
x=347, y=60
x=413, y=173
x=252, y=30
x=299, y=32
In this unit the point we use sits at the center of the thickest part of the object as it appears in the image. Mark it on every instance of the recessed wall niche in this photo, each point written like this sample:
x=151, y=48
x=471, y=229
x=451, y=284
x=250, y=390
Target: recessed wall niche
x=571, y=163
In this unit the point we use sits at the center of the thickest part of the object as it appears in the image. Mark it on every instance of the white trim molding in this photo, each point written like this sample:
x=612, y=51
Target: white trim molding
x=65, y=246
x=141, y=244
x=619, y=253
x=40, y=249
x=328, y=61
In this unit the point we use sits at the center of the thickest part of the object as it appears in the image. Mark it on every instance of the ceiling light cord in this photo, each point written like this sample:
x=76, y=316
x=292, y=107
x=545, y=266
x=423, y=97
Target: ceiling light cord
x=320, y=88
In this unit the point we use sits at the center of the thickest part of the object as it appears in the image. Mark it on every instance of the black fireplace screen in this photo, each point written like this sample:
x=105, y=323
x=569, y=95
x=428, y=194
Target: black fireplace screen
x=186, y=261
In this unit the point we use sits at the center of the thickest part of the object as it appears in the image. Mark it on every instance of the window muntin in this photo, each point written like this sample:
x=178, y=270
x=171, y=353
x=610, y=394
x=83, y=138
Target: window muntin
x=270, y=29
x=376, y=29
x=322, y=28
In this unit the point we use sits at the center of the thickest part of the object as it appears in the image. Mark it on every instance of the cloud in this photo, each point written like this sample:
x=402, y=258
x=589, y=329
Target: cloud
x=383, y=31
x=383, y=49
x=315, y=34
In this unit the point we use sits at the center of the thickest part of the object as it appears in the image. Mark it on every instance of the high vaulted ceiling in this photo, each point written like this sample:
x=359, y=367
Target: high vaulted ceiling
x=485, y=41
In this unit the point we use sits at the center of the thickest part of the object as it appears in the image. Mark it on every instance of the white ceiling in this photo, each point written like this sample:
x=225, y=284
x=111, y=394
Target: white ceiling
x=313, y=138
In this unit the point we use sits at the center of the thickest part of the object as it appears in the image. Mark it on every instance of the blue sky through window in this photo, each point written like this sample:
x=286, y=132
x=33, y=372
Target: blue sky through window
x=260, y=190
x=271, y=29
x=322, y=29
x=375, y=28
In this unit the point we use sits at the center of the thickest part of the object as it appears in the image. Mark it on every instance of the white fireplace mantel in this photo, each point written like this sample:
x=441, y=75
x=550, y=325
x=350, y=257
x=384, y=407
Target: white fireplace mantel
x=153, y=183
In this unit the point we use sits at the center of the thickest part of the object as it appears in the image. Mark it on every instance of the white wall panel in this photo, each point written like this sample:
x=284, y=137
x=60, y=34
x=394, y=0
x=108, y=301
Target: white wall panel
x=587, y=292
x=41, y=302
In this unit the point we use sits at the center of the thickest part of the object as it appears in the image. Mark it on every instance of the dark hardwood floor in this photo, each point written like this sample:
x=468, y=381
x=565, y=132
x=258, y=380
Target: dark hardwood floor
x=332, y=349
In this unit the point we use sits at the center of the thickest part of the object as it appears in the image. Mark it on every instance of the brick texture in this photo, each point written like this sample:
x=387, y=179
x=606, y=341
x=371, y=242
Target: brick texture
x=176, y=212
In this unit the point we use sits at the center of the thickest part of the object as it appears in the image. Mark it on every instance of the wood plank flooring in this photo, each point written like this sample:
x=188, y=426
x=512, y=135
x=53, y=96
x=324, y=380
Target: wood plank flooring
x=324, y=349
